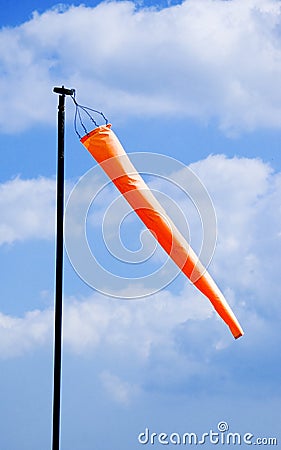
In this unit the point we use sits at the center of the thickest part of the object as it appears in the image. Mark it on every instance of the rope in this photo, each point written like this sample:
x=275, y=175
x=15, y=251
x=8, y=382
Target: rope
x=78, y=117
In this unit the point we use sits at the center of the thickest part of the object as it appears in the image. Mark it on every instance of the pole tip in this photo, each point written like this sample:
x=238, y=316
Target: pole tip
x=63, y=91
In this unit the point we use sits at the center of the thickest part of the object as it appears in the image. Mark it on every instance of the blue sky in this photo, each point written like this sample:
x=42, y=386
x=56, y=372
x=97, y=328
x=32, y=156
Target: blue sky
x=198, y=81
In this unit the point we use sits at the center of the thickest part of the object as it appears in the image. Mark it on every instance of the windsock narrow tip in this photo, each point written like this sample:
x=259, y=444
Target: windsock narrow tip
x=236, y=330
x=239, y=334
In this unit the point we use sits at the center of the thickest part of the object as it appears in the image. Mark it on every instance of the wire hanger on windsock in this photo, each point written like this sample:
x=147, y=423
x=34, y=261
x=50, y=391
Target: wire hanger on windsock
x=78, y=118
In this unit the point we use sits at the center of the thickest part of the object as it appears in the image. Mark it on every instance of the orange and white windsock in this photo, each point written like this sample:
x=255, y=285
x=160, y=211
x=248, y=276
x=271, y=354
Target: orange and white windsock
x=105, y=147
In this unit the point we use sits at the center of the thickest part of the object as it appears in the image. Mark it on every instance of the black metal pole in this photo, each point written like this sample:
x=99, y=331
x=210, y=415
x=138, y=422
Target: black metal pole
x=59, y=269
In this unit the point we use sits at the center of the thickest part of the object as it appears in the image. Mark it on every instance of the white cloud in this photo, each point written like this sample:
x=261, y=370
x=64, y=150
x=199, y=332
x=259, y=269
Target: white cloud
x=247, y=259
x=28, y=209
x=119, y=390
x=202, y=59
x=97, y=322
x=21, y=334
x=131, y=325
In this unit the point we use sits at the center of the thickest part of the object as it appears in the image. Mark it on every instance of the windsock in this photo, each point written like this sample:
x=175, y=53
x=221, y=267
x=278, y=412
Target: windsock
x=107, y=150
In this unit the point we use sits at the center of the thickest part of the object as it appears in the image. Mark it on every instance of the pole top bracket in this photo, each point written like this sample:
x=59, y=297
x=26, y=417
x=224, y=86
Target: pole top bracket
x=63, y=91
